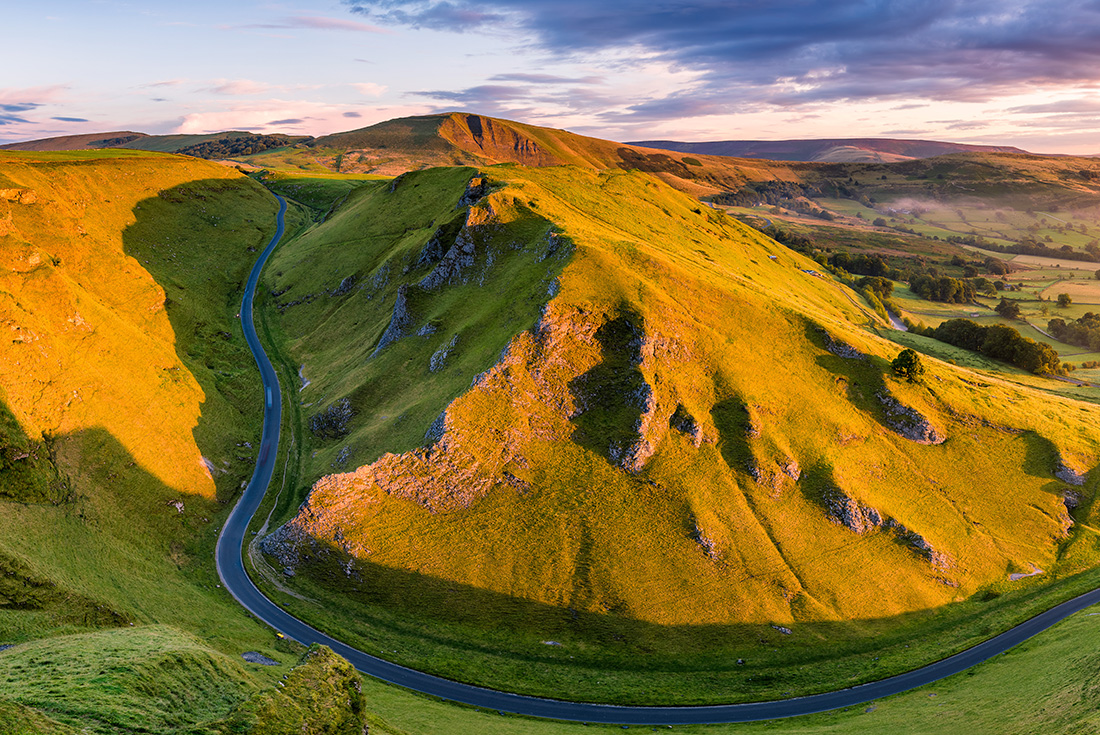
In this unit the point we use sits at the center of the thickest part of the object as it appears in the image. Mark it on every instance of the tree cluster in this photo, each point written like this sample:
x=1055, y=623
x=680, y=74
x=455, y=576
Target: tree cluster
x=1008, y=308
x=767, y=192
x=881, y=287
x=863, y=265
x=999, y=342
x=1084, y=332
x=229, y=147
x=943, y=288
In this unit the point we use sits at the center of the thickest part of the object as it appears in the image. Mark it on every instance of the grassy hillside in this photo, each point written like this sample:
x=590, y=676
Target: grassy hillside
x=686, y=444
x=129, y=406
x=77, y=142
x=159, y=679
x=1044, y=686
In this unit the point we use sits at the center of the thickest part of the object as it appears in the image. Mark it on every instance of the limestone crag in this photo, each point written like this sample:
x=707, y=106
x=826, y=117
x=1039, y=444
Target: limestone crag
x=1067, y=474
x=860, y=518
x=400, y=322
x=907, y=421
x=840, y=348
x=685, y=423
x=438, y=359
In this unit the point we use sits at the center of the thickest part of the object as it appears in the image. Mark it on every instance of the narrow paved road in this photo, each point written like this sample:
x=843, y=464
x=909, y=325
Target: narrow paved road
x=230, y=564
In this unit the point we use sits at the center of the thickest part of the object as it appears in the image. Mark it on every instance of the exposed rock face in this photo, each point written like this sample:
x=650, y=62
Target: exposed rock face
x=847, y=511
x=495, y=140
x=617, y=390
x=345, y=286
x=433, y=250
x=438, y=360
x=19, y=196
x=454, y=265
x=839, y=348
x=400, y=322
x=1067, y=474
x=908, y=422
x=686, y=424
x=475, y=190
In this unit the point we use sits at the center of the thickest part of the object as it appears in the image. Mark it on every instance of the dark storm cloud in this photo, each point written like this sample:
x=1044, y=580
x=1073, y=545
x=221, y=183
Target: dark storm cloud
x=792, y=52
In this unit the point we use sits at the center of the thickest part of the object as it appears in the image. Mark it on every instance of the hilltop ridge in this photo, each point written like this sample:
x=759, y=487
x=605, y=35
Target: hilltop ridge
x=828, y=150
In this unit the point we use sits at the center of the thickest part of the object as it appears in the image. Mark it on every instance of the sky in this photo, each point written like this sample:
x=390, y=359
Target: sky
x=1005, y=72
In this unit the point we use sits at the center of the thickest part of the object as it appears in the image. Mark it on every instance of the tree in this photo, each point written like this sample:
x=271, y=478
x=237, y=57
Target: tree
x=1097, y=275
x=908, y=365
x=1064, y=300
x=1009, y=309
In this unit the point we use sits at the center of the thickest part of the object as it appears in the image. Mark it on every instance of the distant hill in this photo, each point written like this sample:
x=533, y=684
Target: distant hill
x=830, y=150
x=77, y=142
x=413, y=143
x=209, y=145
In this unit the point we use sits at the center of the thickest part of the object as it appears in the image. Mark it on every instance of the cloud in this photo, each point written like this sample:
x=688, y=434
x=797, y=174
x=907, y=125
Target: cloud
x=28, y=98
x=545, y=79
x=236, y=87
x=1060, y=107
x=21, y=107
x=71, y=119
x=370, y=89
x=268, y=115
x=352, y=114
x=318, y=23
x=797, y=52
x=11, y=120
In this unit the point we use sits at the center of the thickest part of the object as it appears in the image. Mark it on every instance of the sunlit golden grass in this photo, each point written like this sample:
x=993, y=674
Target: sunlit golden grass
x=717, y=534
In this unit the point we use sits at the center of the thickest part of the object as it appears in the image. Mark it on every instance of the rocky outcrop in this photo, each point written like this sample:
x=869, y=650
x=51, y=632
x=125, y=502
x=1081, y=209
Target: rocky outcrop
x=840, y=348
x=438, y=360
x=477, y=188
x=19, y=196
x=682, y=421
x=849, y=512
x=400, y=322
x=859, y=518
x=454, y=264
x=908, y=422
x=633, y=456
x=1067, y=474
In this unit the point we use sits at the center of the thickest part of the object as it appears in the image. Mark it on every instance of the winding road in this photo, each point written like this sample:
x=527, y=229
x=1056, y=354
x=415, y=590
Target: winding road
x=230, y=564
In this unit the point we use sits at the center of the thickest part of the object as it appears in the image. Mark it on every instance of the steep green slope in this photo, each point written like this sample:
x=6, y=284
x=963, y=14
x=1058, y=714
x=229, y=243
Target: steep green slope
x=688, y=449
x=162, y=680
x=129, y=404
